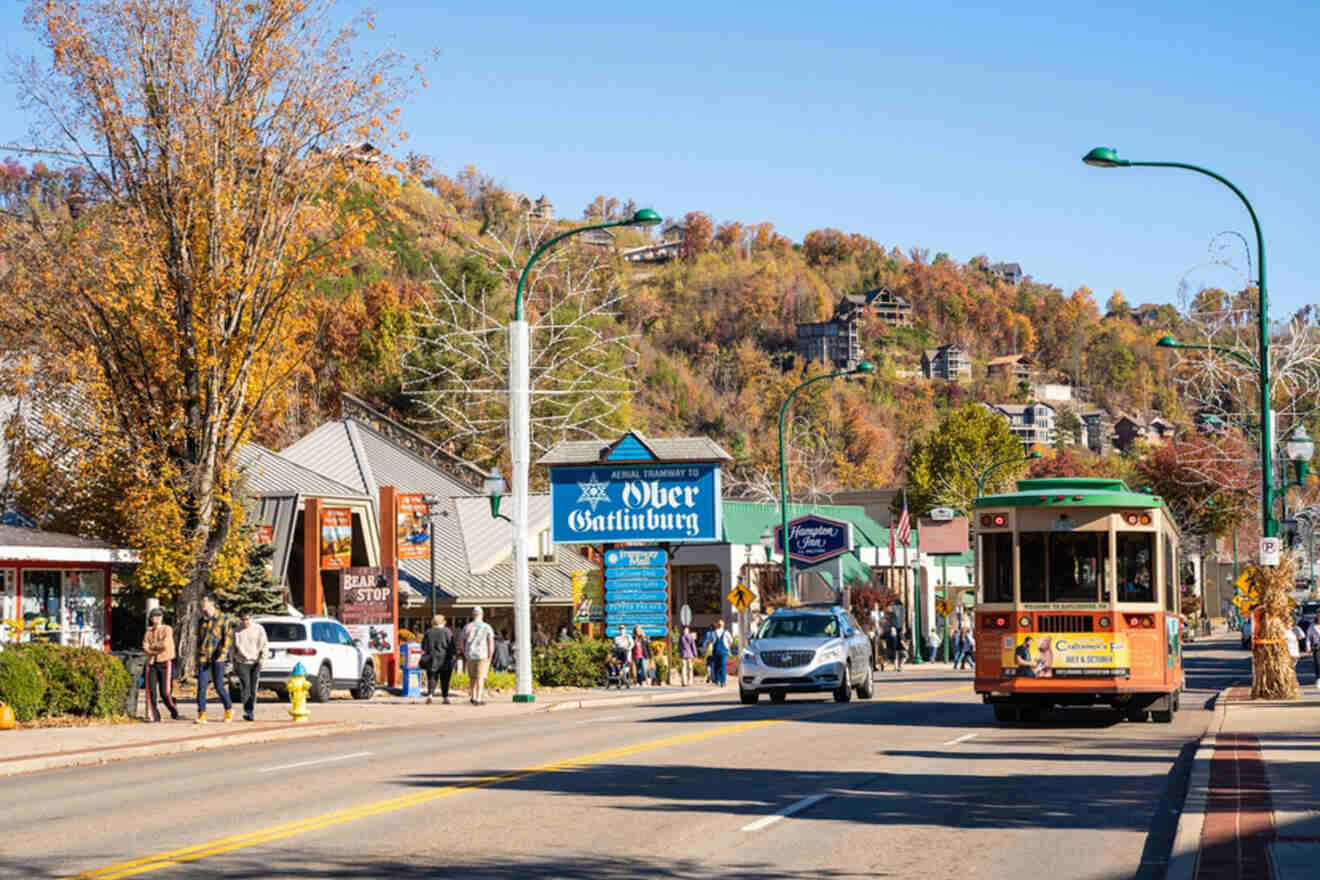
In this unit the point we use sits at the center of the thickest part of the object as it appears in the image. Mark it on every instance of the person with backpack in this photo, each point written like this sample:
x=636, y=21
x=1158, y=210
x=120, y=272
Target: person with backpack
x=438, y=649
x=719, y=641
x=477, y=645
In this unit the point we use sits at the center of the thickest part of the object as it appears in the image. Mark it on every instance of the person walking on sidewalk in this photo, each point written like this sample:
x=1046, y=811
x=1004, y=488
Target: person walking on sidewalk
x=720, y=642
x=247, y=651
x=1313, y=646
x=214, y=633
x=932, y=644
x=477, y=645
x=438, y=649
x=900, y=646
x=641, y=653
x=158, y=645
x=687, y=652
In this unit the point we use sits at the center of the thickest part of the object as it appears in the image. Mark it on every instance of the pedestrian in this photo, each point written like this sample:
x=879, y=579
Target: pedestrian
x=1293, y=643
x=891, y=640
x=932, y=644
x=502, y=658
x=477, y=645
x=564, y=635
x=720, y=642
x=1313, y=645
x=687, y=652
x=540, y=641
x=214, y=632
x=969, y=648
x=641, y=652
x=438, y=649
x=900, y=646
x=158, y=645
x=247, y=650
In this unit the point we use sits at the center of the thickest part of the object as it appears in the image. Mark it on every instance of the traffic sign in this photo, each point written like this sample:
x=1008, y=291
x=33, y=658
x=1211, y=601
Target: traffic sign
x=944, y=607
x=1270, y=549
x=740, y=597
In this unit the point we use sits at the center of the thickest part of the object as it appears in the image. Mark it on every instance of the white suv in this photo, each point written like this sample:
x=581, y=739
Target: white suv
x=810, y=648
x=324, y=648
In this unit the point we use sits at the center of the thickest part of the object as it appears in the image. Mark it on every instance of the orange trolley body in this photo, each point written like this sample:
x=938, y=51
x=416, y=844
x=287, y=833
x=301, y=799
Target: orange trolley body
x=1078, y=593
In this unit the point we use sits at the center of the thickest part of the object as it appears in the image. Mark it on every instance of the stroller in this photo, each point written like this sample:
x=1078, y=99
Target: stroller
x=618, y=671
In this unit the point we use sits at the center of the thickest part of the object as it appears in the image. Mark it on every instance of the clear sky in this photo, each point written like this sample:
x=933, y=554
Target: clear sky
x=951, y=127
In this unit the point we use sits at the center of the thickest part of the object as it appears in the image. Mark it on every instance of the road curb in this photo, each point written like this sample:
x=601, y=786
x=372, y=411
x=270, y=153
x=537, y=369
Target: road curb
x=569, y=705
x=1191, y=819
x=108, y=754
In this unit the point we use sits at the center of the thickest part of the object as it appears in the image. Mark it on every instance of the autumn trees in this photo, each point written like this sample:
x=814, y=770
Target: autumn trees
x=226, y=150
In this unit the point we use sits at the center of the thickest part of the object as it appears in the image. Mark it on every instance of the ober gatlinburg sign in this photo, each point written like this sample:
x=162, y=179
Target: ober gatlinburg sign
x=813, y=539
x=635, y=490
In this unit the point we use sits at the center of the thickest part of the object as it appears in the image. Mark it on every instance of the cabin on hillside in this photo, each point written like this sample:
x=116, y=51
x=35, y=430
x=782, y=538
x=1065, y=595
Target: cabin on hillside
x=830, y=342
x=1010, y=272
x=1015, y=366
x=1031, y=423
x=949, y=361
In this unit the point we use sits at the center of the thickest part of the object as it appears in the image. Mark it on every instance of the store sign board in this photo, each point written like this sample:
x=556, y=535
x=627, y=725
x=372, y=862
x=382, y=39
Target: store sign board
x=637, y=589
x=366, y=607
x=607, y=503
x=813, y=539
x=588, y=597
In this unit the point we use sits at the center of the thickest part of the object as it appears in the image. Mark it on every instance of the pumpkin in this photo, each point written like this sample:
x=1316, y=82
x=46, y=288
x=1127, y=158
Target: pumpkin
x=7, y=719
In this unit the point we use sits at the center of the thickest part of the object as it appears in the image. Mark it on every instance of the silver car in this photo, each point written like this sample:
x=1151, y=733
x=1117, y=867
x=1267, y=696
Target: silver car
x=810, y=649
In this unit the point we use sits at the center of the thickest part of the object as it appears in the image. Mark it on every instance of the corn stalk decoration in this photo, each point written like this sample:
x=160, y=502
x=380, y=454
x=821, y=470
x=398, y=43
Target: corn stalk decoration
x=1269, y=591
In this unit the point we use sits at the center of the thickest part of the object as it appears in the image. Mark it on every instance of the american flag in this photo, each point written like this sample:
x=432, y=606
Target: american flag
x=904, y=528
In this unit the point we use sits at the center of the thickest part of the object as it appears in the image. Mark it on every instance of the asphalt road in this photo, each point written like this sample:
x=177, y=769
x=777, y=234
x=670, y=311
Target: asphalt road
x=918, y=782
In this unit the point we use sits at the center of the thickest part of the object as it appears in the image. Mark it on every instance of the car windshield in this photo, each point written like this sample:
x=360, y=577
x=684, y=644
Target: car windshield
x=1310, y=608
x=279, y=631
x=799, y=626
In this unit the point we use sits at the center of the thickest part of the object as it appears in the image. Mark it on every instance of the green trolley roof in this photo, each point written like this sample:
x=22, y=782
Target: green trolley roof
x=1071, y=492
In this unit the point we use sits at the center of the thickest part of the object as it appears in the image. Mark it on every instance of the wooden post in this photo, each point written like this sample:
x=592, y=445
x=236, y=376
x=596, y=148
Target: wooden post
x=389, y=560
x=312, y=599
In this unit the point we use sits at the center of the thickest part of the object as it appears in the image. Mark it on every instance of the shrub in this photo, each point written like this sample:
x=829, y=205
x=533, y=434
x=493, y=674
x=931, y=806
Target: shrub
x=79, y=681
x=579, y=663
x=496, y=681
x=699, y=669
x=21, y=685
x=407, y=635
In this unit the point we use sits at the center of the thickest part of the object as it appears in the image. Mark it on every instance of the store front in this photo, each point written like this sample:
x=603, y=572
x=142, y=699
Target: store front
x=56, y=587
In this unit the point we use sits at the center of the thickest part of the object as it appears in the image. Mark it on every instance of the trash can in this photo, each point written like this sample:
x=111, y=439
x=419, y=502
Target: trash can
x=136, y=663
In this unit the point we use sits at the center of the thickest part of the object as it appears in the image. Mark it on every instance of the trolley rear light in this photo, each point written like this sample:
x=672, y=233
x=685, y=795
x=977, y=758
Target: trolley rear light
x=1140, y=621
x=1024, y=621
x=985, y=520
x=1104, y=622
x=302, y=652
x=1000, y=520
x=1132, y=519
x=1145, y=519
x=994, y=621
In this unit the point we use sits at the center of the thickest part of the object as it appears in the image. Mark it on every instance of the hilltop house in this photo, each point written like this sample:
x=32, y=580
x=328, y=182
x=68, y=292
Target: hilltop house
x=1015, y=366
x=1010, y=272
x=668, y=248
x=949, y=361
x=1031, y=423
x=1099, y=431
x=541, y=209
x=832, y=342
x=1127, y=430
x=891, y=308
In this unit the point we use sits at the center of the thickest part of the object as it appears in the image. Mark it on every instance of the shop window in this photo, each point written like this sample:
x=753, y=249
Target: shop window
x=8, y=602
x=705, y=592
x=84, y=599
x=42, y=603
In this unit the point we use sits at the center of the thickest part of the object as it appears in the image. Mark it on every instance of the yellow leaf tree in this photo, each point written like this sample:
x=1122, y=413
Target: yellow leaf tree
x=228, y=167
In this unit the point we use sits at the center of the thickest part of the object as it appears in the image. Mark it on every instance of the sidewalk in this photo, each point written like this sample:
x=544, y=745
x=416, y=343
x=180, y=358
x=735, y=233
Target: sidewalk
x=45, y=748
x=1253, y=802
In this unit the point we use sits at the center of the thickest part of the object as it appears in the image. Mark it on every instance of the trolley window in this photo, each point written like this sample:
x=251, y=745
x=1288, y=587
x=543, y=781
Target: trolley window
x=1076, y=560
x=1031, y=565
x=997, y=567
x=1136, y=567
x=1172, y=589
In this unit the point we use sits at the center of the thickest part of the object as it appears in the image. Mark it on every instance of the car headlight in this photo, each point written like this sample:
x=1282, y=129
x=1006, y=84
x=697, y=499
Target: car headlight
x=749, y=655
x=833, y=652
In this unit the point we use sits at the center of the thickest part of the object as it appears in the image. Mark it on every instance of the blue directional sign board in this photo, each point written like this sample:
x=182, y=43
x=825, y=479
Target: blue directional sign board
x=636, y=590
x=813, y=539
x=624, y=503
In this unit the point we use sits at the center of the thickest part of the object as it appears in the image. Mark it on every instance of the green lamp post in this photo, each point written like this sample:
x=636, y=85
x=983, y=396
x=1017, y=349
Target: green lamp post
x=1107, y=157
x=520, y=450
x=861, y=368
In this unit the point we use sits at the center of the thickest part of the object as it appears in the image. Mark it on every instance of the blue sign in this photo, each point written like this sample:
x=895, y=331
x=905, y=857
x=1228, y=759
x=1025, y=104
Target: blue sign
x=636, y=590
x=607, y=503
x=813, y=539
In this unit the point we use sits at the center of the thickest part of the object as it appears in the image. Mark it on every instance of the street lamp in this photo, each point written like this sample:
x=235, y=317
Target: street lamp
x=1299, y=449
x=862, y=367
x=985, y=474
x=432, y=513
x=520, y=447
x=495, y=487
x=1107, y=157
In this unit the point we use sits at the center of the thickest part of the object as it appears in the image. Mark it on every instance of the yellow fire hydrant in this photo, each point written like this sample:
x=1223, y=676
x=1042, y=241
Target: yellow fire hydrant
x=298, y=688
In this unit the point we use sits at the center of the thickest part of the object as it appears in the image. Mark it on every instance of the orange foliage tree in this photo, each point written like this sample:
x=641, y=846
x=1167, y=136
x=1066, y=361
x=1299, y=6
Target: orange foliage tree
x=227, y=161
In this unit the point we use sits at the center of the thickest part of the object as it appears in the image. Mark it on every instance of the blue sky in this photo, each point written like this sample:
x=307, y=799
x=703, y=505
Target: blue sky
x=951, y=127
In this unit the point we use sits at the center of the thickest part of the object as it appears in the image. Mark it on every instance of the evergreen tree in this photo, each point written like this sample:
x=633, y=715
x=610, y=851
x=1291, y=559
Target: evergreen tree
x=255, y=590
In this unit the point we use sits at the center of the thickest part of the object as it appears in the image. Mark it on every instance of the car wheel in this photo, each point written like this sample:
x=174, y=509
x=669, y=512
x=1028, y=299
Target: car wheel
x=778, y=696
x=1137, y=715
x=367, y=685
x=320, y=690
x=1005, y=713
x=748, y=698
x=866, y=689
x=843, y=693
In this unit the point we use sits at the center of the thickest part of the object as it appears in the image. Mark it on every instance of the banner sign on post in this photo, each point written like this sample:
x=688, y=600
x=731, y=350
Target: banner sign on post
x=366, y=607
x=265, y=534
x=606, y=504
x=813, y=539
x=637, y=590
x=588, y=597
x=413, y=527
x=336, y=537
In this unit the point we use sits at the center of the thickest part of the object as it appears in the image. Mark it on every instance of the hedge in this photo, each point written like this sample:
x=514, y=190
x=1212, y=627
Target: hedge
x=76, y=681
x=577, y=663
x=21, y=685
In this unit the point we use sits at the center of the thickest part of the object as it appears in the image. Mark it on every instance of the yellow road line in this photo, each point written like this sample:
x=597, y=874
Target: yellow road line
x=148, y=864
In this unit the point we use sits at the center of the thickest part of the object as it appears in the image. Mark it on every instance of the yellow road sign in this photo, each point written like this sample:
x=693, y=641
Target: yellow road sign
x=740, y=597
x=944, y=607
